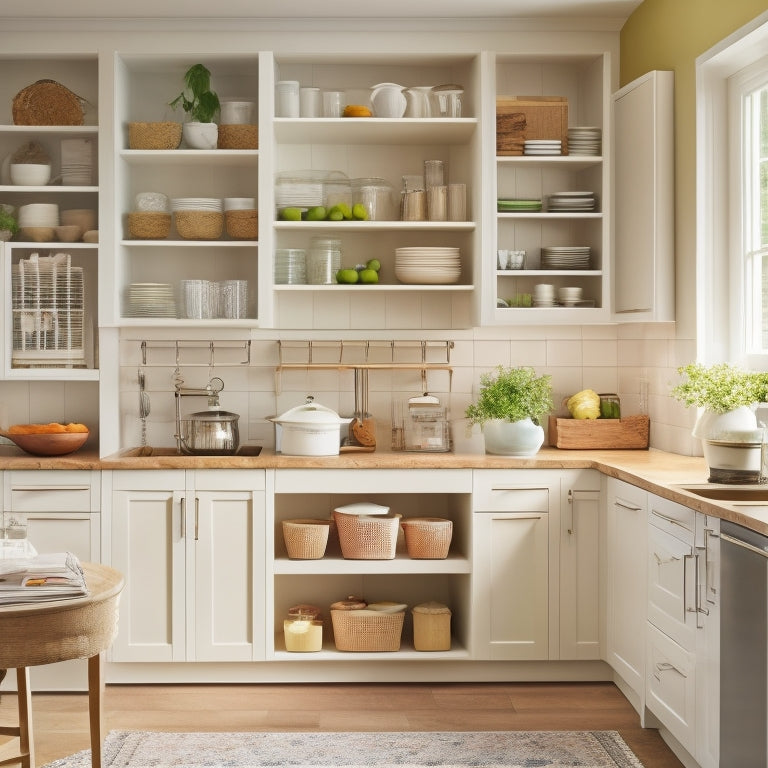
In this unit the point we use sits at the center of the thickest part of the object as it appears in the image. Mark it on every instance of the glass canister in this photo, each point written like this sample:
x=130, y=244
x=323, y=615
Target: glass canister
x=303, y=630
x=376, y=196
x=323, y=260
x=610, y=406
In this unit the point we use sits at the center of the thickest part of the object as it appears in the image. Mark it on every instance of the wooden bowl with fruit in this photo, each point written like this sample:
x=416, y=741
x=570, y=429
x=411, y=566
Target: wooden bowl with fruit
x=52, y=439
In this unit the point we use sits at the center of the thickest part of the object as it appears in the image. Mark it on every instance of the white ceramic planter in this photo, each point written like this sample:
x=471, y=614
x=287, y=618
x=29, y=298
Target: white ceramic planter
x=512, y=438
x=200, y=135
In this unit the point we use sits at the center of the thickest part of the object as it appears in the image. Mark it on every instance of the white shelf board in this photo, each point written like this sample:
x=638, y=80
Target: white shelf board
x=374, y=287
x=400, y=564
x=569, y=162
x=373, y=226
x=227, y=157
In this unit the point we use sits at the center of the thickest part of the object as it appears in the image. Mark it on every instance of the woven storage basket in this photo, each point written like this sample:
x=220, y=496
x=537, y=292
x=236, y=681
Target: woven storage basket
x=238, y=137
x=149, y=225
x=367, y=537
x=306, y=539
x=199, y=225
x=47, y=102
x=367, y=631
x=166, y=135
x=427, y=538
x=242, y=224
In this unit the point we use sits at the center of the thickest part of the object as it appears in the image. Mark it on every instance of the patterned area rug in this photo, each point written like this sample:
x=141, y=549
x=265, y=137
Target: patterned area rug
x=475, y=749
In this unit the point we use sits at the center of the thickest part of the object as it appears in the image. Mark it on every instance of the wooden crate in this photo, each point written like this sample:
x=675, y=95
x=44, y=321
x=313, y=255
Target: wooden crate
x=626, y=432
x=530, y=117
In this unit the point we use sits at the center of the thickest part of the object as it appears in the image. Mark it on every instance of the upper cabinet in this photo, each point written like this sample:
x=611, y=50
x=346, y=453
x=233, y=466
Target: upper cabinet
x=644, y=258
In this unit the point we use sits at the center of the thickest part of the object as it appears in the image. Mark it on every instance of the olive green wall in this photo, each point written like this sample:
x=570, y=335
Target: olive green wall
x=671, y=34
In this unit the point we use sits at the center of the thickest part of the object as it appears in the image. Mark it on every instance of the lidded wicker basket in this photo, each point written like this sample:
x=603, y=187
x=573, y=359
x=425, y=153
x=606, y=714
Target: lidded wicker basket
x=47, y=102
x=306, y=539
x=199, y=225
x=242, y=223
x=238, y=136
x=367, y=631
x=149, y=225
x=160, y=135
x=427, y=538
x=367, y=537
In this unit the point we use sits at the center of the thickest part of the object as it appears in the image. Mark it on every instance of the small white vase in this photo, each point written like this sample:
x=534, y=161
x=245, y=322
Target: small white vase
x=201, y=135
x=512, y=438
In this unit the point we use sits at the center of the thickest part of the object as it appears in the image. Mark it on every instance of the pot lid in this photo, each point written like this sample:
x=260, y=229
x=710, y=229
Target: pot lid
x=310, y=413
x=213, y=415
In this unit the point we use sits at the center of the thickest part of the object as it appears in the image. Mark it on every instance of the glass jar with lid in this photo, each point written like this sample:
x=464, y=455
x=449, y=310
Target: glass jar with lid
x=323, y=260
x=376, y=196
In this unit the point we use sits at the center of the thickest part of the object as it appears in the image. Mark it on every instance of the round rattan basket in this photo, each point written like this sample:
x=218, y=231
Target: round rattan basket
x=199, y=225
x=368, y=631
x=238, y=137
x=306, y=539
x=427, y=538
x=242, y=224
x=163, y=135
x=367, y=537
x=47, y=102
x=149, y=225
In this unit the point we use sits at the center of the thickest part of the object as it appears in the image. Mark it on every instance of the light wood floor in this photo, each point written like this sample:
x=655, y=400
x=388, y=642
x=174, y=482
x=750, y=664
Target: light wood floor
x=61, y=720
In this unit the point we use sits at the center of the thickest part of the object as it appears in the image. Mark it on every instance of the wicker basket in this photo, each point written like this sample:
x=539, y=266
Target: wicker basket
x=306, y=539
x=47, y=102
x=367, y=537
x=166, y=135
x=238, y=137
x=242, y=224
x=149, y=225
x=199, y=225
x=367, y=631
x=427, y=538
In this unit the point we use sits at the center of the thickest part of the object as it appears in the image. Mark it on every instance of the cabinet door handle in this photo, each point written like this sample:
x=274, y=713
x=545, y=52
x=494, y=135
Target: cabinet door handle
x=670, y=519
x=520, y=516
x=665, y=560
x=519, y=488
x=183, y=507
x=50, y=488
x=665, y=666
x=626, y=505
x=197, y=518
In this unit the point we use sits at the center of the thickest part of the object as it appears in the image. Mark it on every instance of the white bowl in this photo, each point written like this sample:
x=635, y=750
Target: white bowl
x=30, y=174
x=39, y=215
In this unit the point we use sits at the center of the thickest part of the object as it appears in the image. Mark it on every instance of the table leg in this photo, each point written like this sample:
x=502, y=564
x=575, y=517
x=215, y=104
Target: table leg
x=26, y=736
x=95, y=705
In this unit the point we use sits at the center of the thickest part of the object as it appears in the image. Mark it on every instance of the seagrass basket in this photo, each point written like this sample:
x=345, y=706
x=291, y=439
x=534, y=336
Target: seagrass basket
x=306, y=539
x=240, y=136
x=47, y=102
x=161, y=135
x=242, y=224
x=199, y=225
x=367, y=631
x=149, y=225
x=427, y=538
x=367, y=537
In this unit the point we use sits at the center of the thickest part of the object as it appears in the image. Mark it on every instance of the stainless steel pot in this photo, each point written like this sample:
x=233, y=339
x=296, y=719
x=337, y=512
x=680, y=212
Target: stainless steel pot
x=210, y=433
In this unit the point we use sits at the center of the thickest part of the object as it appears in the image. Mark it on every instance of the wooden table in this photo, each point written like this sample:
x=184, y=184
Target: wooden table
x=44, y=633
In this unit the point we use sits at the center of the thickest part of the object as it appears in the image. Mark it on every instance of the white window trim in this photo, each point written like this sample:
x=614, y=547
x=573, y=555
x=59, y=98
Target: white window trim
x=719, y=324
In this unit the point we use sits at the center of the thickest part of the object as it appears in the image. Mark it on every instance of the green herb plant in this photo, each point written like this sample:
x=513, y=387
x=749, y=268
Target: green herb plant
x=511, y=394
x=7, y=222
x=721, y=387
x=197, y=99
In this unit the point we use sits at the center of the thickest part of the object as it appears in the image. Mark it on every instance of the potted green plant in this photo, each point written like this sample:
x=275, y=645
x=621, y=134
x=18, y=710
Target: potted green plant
x=8, y=225
x=511, y=402
x=727, y=397
x=201, y=105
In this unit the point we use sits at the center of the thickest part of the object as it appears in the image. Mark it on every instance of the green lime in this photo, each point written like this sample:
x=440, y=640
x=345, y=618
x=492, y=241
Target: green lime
x=369, y=276
x=291, y=214
x=345, y=210
x=318, y=213
x=374, y=264
x=359, y=212
x=336, y=214
x=347, y=276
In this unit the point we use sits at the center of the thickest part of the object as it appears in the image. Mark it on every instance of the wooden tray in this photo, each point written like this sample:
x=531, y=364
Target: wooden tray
x=625, y=433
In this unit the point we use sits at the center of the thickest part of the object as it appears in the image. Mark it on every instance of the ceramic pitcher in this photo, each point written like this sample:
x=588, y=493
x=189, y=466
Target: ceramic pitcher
x=418, y=98
x=388, y=100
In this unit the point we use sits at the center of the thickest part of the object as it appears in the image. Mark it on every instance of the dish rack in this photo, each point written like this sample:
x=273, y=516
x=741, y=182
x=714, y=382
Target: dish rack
x=48, y=301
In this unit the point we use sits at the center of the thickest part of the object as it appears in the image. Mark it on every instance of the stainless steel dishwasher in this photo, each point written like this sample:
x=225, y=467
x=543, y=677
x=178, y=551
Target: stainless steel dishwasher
x=743, y=648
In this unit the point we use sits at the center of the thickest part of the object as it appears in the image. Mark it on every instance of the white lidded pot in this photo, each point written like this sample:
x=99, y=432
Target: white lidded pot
x=310, y=429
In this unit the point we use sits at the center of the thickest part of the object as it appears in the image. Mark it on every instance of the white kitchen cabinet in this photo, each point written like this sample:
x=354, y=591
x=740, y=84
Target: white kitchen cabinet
x=643, y=199
x=191, y=547
x=626, y=567
x=315, y=493
x=61, y=512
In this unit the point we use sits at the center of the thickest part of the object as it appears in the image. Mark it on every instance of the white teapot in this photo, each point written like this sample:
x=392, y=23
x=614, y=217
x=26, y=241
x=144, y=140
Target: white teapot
x=387, y=100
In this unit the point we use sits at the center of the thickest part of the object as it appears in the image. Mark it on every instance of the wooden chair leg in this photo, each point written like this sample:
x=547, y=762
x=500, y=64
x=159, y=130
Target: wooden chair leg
x=95, y=705
x=26, y=735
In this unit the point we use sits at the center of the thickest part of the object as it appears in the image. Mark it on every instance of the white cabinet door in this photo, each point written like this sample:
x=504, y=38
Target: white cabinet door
x=580, y=573
x=626, y=583
x=226, y=575
x=148, y=547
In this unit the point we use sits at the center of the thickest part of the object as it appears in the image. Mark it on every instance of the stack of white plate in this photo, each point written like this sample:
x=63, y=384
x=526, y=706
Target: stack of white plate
x=290, y=266
x=543, y=147
x=428, y=265
x=77, y=156
x=196, y=204
x=572, y=202
x=150, y=300
x=584, y=140
x=39, y=215
x=565, y=257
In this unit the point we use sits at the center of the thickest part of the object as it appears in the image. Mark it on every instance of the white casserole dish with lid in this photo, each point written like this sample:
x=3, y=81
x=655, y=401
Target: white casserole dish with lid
x=310, y=429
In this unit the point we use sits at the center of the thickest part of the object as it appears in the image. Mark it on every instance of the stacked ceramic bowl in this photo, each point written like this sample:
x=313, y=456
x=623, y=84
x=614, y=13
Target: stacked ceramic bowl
x=38, y=221
x=241, y=218
x=544, y=295
x=198, y=218
x=568, y=296
x=428, y=265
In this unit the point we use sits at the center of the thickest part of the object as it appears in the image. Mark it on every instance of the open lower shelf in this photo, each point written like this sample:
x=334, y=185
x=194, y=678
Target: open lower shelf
x=329, y=653
x=400, y=564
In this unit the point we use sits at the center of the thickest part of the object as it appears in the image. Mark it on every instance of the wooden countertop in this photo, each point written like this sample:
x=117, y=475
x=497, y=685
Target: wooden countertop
x=656, y=471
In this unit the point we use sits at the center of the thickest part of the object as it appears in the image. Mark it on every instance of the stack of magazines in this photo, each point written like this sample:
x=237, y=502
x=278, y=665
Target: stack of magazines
x=57, y=576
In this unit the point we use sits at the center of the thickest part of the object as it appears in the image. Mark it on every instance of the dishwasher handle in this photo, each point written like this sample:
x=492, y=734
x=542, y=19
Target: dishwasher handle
x=744, y=545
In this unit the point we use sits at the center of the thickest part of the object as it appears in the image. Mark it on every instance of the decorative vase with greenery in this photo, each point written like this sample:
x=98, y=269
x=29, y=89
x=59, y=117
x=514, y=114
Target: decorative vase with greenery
x=727, y=397
x=8, y=225
x=510, y=404
x=201, y=105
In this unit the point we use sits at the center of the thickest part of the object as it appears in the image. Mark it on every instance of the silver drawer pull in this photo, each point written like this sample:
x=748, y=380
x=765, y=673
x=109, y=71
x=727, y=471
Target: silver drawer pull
x=16, y=488
x=625, y=505
x=670, y=519
x=665, y=666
